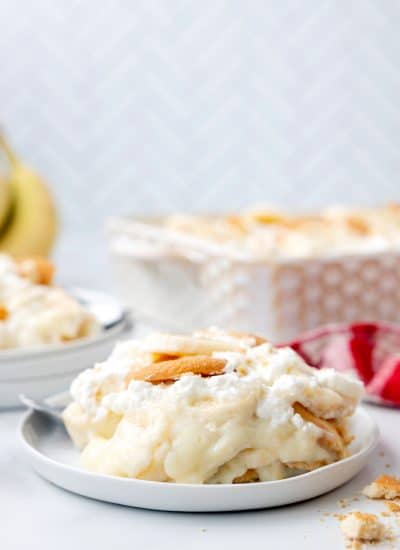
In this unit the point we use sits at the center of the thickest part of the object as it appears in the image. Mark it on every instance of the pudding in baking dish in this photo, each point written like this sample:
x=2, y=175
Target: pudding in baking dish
x=268, y=232
x=35, y=313
x=213, y=407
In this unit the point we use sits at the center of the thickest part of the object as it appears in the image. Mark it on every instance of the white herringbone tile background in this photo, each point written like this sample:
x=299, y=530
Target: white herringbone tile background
x=153, y=105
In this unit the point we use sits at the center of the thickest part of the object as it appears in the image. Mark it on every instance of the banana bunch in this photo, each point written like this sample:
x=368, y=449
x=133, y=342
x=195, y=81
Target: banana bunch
x=28, y=218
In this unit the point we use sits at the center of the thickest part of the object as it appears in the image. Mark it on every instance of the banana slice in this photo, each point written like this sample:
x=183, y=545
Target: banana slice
x=176, y=346
x=245, y=339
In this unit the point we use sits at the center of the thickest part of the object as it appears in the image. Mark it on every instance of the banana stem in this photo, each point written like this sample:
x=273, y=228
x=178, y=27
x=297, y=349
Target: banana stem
x=8, y=152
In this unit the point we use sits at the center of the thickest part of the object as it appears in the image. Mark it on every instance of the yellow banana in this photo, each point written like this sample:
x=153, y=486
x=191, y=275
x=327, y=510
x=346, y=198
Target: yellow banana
x=6, y=195
x=32, y=224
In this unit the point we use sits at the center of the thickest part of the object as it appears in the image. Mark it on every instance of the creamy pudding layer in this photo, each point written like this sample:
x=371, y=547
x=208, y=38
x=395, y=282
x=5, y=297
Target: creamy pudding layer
x=263, y=414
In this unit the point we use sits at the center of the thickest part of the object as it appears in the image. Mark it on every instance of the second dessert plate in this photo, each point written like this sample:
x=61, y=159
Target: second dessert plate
x=44, y=370
x=51, y=453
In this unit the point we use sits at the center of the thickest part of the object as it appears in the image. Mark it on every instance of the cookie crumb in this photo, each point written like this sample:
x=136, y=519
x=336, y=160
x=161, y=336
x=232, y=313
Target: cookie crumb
x=384, y=487
x=393, y=507
x=362, y=527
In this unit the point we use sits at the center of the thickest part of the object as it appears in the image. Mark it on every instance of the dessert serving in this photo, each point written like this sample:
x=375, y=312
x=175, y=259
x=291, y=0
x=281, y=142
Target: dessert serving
x=214, y=407
x=35, y=313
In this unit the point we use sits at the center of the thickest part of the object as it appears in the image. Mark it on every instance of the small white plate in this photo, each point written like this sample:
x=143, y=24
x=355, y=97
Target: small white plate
x=46, y=370
x=51, y=453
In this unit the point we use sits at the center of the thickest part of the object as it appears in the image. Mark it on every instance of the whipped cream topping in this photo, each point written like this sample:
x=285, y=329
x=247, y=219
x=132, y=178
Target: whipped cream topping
x=280, y=375
x=206, y=429
x=38, y=314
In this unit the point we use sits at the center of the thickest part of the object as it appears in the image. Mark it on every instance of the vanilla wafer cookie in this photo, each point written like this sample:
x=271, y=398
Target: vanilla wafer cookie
x=331, y=439
x=4, y=313
x=164, y=371
x=249, y=476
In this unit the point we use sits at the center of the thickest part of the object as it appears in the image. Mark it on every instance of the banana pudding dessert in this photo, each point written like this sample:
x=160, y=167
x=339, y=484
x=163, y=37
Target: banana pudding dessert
x=213, y=407
x=265, y=231
x=35, y=313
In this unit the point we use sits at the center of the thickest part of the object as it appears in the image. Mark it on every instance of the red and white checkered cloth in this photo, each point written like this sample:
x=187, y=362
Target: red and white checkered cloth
x=371, y=350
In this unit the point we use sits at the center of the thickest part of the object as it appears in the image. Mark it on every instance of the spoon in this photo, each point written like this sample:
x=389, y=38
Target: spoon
x=42, y=407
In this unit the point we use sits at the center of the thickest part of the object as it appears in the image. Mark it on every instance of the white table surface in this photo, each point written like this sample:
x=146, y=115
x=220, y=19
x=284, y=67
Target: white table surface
x=37, y=514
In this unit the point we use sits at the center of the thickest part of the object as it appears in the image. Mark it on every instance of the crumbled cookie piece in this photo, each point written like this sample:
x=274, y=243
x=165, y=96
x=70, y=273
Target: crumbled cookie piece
x=362, y=527
x=344, y=503
x=3, y=313
x=385, y=487
x=38, y=270
x=393, y=507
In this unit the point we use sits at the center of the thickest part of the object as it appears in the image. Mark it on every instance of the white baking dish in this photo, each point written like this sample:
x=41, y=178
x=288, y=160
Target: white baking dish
x=185, y=283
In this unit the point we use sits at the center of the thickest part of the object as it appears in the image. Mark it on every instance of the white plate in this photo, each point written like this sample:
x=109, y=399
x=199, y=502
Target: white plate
x=39, y=372
x=51, y=453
